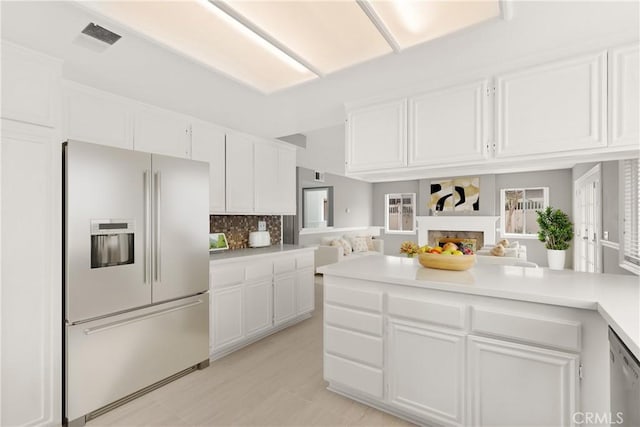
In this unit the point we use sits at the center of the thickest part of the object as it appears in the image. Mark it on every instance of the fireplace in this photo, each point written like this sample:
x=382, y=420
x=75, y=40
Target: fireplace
x=433, y=228
x=435, y=237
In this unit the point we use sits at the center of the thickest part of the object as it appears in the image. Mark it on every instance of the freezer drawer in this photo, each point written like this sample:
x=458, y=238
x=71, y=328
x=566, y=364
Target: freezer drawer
x=113, y=357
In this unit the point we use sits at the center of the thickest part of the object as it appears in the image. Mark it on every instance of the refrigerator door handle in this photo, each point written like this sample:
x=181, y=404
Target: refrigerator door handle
x=147, y=227
x=130, y=320
x=158, y=193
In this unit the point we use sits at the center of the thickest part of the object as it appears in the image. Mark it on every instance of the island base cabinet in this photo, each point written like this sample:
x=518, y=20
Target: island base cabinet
x=516, y=385
x=426, y=372
x=355, y=376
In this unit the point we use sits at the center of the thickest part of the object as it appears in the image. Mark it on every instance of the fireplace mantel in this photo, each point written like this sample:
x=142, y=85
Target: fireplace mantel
x=485, y=224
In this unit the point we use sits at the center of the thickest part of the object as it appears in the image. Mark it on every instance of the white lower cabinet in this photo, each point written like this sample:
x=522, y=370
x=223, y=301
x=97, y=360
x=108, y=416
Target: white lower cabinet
x=305, y=300
x=227, y=316
x=515, y=385
x=426, y=371
x=258, y=306
x=253, y=297
x=284, y=298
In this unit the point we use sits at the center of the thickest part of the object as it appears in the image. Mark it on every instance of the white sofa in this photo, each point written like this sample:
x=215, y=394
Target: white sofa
x=326, y=254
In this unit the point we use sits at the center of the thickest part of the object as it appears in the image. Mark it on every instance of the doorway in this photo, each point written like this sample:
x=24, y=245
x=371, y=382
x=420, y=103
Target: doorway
x=587, y=210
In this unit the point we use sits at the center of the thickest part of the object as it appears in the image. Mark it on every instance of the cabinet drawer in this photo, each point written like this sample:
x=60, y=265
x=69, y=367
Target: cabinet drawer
x=449, y=315
x=304, y=261
x=353, y=375
x=354, y=298
x=228, y=275
x=352, y=319
x=559, y=333
x=284, y=265
x=259, y=270
x=353, y=345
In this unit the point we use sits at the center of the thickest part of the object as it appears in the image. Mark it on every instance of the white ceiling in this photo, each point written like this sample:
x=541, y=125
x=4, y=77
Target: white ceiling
x=140, y=68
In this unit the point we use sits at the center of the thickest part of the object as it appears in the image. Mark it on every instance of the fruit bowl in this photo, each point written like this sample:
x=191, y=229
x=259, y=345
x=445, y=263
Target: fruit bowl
x=447, y=262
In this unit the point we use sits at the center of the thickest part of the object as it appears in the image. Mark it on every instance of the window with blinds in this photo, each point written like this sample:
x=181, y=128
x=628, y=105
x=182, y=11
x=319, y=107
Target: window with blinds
x=630, y=248
x=400, y=213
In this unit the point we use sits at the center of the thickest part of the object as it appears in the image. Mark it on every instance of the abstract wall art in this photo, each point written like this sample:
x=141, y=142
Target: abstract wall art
x=459, y=194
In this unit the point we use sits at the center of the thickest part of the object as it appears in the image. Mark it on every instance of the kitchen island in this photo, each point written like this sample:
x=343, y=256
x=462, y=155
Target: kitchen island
x=497, y=345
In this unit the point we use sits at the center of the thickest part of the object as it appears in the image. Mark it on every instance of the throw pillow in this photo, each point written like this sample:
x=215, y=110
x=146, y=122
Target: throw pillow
x=346, y=245
x=360, y=244
x=369, y=239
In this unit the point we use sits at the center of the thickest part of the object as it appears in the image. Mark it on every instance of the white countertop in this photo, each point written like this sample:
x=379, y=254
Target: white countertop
x=615, y=297
x=228, y=255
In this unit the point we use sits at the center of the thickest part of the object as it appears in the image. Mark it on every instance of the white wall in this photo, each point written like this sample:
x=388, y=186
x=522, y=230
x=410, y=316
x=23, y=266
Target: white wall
x=324, y=151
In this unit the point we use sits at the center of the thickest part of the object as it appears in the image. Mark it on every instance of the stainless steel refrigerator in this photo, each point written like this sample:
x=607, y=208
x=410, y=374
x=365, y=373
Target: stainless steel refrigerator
x=136, y=274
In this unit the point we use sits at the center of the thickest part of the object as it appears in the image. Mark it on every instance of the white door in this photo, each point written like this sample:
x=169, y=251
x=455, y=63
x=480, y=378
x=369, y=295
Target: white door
x=624, y=102
x=226, y=316
x=93, y=116
x=258, y=306
x=588, y=222
x=520, y=385
x=376, y=137
x=426, y=372
x=305, y=291
x=208, y=145
x=449, y=125
x=555, y=107
x=266, y=177
x=284, y=298
x=240, y=174
x=161, y=132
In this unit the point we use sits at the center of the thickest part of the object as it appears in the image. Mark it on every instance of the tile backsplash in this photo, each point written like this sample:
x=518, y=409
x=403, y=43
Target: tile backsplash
x=238, y=227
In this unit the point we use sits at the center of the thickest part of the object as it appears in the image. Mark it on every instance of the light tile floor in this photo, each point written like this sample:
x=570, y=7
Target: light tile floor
x=274, y=382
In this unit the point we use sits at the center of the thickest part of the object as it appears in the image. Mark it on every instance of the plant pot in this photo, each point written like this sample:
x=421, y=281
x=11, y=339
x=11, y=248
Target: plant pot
x=555, y=258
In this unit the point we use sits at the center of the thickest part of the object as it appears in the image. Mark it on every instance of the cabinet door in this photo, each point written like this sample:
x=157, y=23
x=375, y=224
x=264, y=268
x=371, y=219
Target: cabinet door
x=513, y=384
x=286, y=194
x=426, y=372
x=161, y=132
x=30, y=86
x=551, y=108
x=266, y=177
x=376, y=137
x=92, y=116
x=226, y=317
x=448, y=126
x=624, y=107
x=258, y=306
x=208, y=145
x=305, y=291
x=284, y=298
x=239, y=182
x=31, y=299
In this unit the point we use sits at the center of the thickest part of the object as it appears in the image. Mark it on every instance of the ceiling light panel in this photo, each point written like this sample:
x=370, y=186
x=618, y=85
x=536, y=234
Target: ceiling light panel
x=199, y=30
x=411, y=22
x=330, y=35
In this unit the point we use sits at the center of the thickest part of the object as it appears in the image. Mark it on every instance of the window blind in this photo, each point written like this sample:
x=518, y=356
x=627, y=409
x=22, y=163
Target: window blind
x=631, y=203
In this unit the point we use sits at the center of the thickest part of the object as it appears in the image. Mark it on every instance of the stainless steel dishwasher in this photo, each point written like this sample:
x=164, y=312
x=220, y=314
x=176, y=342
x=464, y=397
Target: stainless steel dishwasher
x=625, y=383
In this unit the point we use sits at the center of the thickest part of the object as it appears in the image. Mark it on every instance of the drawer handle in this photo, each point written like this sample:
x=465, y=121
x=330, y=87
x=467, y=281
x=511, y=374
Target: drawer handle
x=102, y=328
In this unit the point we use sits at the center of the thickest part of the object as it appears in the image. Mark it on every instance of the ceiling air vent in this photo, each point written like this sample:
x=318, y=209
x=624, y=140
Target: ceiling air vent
x=101, y=33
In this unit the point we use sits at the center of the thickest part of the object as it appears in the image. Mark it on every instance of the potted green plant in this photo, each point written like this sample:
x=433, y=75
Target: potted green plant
x=556, y=231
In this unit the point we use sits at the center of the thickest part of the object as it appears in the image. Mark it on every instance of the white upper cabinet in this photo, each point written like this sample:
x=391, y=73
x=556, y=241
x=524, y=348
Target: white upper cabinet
x=275, y=179
x=624, y=103
x=449, y=125
x=208, y=145
x=161, y=132
x=266, y=177
x=287, y=181
x=30, y=86
x=377, y=137
x=98, y=117
x=240, y=174
x=555, y=107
